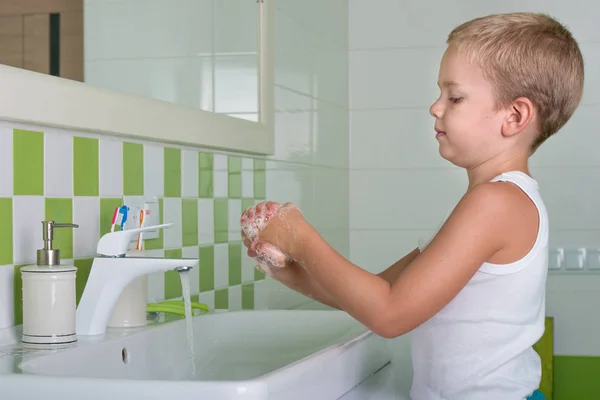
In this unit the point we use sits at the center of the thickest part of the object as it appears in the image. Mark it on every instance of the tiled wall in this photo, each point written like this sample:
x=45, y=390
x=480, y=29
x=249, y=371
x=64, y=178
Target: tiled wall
x=400, y=188
x=310, y=168
x=66, y=176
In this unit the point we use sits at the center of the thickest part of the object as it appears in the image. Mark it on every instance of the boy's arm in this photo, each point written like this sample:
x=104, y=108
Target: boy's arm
x=299, y=280
x=430, y=281
x=295, y=277
x=393, y=272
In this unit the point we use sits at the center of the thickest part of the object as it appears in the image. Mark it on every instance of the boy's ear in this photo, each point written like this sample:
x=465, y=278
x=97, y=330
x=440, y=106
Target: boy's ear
x=520, y=114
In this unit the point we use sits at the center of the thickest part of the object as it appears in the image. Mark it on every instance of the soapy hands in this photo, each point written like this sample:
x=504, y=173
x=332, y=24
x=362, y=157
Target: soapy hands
x=272, y=234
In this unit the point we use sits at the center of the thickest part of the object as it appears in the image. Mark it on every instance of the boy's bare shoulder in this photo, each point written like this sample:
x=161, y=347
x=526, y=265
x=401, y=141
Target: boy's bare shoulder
x=509, y=213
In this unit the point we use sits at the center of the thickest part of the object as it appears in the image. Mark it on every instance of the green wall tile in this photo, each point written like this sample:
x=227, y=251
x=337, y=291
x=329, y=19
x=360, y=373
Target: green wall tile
x=221, y=209
x=247, y=203
x=133, y=169
x=260, y=179
x=207, y=268
x=158, y=243
x=28, y=163
x=222, y=299
x=18, y=295
x=545, y=348
x=86, y=176
x=576, y=378
x=6, y=231
x=172, y=279
x=61, y=210
x=235, y=264
x=248, y=296
x=205, y=175
x=107, y=209
x=172, y=172
x=258, y=275
x=234, y=173
x=189, y=222
x=84, y=266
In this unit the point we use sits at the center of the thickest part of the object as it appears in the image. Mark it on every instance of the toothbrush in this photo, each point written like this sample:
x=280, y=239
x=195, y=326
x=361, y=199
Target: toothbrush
x=140, y=243
x=114, y=219
x=122, y=218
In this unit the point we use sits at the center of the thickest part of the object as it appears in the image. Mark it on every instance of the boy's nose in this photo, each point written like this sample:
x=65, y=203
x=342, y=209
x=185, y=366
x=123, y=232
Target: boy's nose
x=436, y=110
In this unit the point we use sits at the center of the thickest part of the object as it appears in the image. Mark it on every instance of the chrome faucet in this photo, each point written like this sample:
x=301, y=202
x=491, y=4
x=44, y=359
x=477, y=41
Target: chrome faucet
x=111, y=272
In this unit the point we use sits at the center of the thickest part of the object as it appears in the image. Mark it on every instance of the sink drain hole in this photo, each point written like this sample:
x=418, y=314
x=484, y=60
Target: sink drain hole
x=125, y=356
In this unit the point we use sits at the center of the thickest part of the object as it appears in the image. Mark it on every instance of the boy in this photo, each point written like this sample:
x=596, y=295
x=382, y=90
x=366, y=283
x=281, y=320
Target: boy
x=475, y=294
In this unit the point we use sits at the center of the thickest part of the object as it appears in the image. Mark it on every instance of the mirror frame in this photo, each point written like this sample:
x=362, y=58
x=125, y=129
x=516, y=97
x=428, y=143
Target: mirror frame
x=40, y=99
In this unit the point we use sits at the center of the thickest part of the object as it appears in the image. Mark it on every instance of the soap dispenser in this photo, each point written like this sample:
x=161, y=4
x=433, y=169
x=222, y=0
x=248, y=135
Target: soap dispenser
x=49, y=303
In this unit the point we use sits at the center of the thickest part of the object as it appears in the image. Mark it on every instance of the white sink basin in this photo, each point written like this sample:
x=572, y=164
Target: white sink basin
x=277, y=354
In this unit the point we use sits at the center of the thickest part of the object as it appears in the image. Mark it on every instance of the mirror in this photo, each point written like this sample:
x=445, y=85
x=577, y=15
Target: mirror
x=195, y=53
x=207, y=61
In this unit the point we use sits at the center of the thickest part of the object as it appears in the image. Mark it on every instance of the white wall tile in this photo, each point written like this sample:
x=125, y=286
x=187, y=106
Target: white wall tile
x=591, y=59
x=7, y=297
x=394, y=138
x=404, y=199
x=293, y=115
x=172, y=214
x=575, y=145
x=156, y=282
x=261, y=295
x=193, y=252
x=235, y=298
x=331, y=198
x=393, y=23
x=376, y=250
x=58, y=163
x=154, y=170
x=330, y=135
x=220, y=162
x=247, y=184
x=221, y=265
x=189, y=173
x=208, y=298
x=234, y=210
x=220, y=184
x=27, y=239
x=6, y=159
x=571, y=196
x=394, y=78
x=248, y=266
x=85, y=214
x=111, y=167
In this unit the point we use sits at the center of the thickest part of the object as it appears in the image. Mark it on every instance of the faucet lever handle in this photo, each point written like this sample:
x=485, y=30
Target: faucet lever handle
x=115, y=244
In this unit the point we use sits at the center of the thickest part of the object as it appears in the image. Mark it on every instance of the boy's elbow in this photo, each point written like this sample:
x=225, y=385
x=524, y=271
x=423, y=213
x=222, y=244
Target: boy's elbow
x=387, y=328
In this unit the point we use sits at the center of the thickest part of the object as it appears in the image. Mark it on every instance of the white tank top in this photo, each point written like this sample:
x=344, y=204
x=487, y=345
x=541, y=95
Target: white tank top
x=479, y=346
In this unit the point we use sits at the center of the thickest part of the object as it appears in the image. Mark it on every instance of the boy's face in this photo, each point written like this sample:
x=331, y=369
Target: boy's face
x=467, y=122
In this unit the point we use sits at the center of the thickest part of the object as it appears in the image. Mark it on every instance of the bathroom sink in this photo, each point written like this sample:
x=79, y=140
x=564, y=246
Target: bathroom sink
x=274, y=354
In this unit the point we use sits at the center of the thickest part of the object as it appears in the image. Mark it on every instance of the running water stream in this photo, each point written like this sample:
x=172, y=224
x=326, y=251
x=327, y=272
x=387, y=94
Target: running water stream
x=185, y=287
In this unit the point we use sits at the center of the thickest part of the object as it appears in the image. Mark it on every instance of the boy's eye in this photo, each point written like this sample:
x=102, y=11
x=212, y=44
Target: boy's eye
x=455, y=99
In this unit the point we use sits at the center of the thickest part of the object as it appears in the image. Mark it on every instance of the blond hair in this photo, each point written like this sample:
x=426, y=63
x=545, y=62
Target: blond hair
x=526, y=55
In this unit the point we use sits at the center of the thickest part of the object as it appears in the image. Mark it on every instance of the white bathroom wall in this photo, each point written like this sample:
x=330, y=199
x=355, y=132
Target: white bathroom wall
x=400, y=188
x=310, y=166
x=214, y=69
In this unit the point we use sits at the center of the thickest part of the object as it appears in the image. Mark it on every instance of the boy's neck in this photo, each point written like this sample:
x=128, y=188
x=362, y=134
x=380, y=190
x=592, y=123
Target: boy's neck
x=488, y=171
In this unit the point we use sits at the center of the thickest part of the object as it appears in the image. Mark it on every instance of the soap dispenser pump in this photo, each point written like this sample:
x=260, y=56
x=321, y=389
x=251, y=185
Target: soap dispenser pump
x=49, y=303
